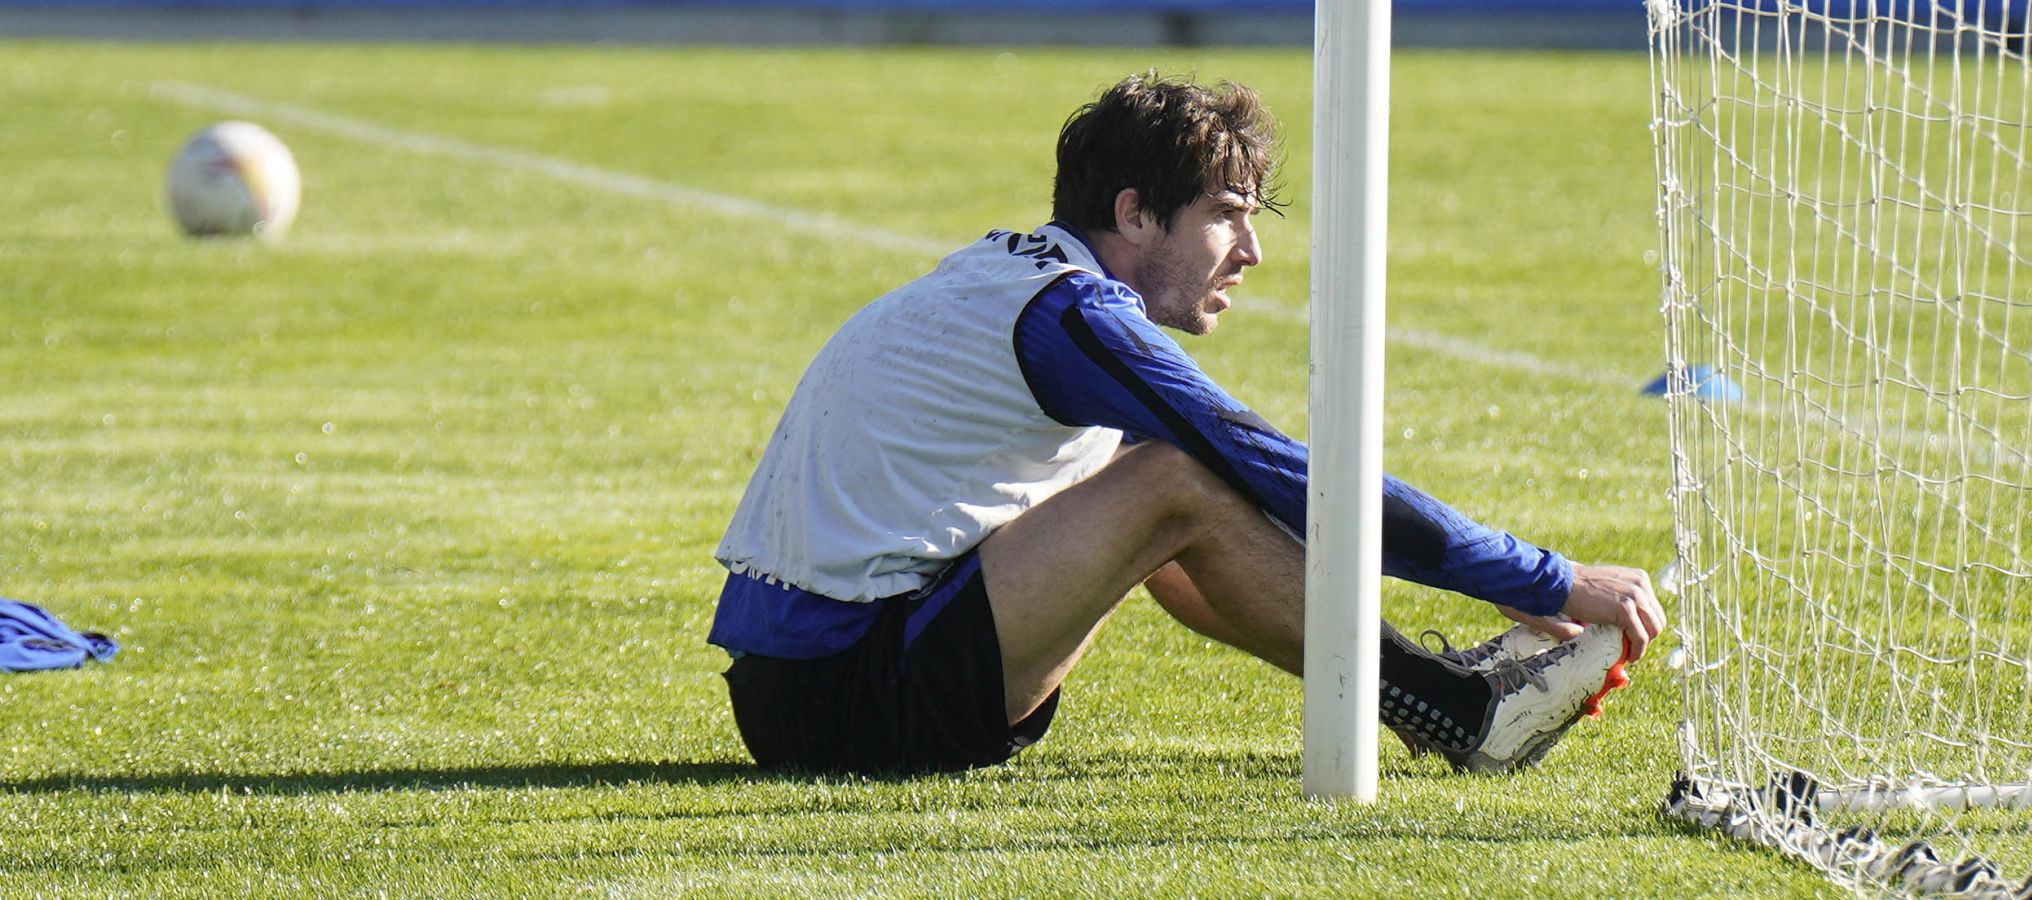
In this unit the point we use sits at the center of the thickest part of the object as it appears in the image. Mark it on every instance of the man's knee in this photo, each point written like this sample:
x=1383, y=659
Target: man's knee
x=1164, y=470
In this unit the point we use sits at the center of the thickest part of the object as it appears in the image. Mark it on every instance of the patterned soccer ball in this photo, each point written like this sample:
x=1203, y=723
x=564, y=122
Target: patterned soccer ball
x=234, y=179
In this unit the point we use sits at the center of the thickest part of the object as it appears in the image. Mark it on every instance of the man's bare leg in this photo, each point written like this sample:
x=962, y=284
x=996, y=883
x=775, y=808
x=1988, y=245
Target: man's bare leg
x=1175, y=592
x=1055, y=573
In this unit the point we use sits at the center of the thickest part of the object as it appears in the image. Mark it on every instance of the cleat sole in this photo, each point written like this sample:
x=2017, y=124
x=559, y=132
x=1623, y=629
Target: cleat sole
x=1616, y=678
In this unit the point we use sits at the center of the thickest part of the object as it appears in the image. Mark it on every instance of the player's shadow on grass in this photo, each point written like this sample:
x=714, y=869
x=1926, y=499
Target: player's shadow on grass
x=1223, y=763
x=534, y=775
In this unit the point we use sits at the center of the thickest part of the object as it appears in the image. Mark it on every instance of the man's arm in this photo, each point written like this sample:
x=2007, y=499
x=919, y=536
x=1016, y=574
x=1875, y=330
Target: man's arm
x=1092, y=358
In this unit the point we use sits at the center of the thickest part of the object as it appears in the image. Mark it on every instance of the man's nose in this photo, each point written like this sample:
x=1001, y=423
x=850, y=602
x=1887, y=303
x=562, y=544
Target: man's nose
x=1248, y=250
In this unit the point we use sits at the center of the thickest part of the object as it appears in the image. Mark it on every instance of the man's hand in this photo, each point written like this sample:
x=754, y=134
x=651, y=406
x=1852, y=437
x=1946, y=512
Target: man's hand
x=1618, y=596
x=1606, y=595
x=1557, y=627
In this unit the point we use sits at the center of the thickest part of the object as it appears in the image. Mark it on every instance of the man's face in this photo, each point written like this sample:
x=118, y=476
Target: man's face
x=1184, y=276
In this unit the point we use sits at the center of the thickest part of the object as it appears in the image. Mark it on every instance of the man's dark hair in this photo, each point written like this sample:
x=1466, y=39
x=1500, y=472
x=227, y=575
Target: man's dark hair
x=1171, y=140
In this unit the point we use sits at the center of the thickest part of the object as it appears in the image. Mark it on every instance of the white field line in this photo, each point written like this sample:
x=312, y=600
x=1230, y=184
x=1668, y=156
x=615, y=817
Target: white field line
x=566, y=170
x=1515, y=361
x=831, y=228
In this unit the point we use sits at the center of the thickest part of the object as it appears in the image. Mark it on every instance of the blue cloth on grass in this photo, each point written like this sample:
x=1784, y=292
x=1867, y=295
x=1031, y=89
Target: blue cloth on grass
x=31, y=639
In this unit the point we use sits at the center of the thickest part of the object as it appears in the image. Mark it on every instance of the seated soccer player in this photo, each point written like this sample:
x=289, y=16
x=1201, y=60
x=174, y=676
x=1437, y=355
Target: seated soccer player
x=981, y=464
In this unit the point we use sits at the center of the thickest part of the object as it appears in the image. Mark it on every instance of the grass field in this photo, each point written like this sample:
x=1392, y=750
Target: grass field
x=405, y=523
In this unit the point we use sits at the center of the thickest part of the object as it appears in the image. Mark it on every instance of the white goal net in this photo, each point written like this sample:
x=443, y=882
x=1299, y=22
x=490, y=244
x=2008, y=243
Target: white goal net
x=1846, y=245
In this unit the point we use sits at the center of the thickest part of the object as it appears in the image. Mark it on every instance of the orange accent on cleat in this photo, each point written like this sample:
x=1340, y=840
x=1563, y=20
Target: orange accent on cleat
x=1615, y=679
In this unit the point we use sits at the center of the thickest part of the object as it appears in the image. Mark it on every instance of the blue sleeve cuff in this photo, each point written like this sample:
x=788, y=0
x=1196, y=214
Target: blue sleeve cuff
x=1433, y=544
x=1512, y=573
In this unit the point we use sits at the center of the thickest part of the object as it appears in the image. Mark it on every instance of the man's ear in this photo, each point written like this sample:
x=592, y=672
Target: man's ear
x=1132, y=222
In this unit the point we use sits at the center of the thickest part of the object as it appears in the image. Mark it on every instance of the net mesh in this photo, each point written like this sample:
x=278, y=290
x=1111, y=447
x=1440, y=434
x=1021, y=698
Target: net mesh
x=1846, y=244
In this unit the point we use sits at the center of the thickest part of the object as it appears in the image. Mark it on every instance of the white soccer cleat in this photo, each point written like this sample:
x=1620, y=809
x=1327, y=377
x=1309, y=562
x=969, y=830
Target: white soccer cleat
x=1520, y=642
x=1537, y=698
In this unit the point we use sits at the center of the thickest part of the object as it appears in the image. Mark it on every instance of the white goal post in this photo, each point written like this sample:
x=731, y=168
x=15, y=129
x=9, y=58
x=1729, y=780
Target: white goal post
x=1344, y=512
x=1845, y=211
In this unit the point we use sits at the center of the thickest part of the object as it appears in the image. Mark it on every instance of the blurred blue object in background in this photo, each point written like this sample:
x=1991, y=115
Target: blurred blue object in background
x=1702, y=381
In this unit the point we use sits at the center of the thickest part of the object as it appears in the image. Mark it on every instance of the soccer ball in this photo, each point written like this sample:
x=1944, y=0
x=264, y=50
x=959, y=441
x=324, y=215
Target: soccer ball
x=232, y=179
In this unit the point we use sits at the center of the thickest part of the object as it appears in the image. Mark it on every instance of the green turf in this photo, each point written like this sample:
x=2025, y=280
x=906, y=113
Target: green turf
x=405, y=524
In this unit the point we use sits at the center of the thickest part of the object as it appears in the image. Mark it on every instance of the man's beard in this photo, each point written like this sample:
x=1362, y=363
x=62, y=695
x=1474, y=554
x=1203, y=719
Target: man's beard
x=1175, y=298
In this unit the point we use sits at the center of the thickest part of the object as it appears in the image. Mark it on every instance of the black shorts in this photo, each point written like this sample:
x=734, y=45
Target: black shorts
x=920, y=692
